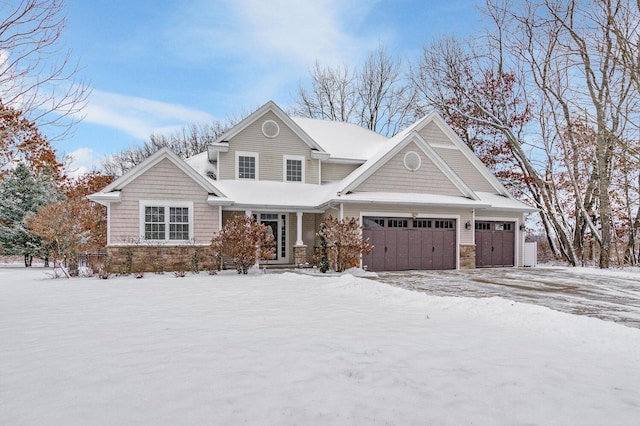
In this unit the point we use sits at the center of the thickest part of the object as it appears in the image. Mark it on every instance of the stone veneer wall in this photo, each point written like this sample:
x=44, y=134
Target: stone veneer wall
x=159, y=258
x=467, y=256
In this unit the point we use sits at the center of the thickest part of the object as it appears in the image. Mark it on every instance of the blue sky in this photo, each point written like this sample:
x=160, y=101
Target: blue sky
x=155, y=66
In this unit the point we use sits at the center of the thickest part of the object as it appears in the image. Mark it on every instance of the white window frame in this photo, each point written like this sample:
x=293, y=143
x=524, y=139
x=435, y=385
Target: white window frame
x=247, y=154
x=284, y=167
x=167, y=204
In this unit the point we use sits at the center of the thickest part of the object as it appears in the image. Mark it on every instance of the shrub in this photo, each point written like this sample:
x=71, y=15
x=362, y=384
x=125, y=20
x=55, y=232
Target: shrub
x=244, y=241
x=103, y=274
x=195, y=261
x=341, y=244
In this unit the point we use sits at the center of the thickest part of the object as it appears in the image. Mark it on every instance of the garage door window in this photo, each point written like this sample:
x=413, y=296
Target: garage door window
x=444, y=224
x=398, y=223
x=422, y=223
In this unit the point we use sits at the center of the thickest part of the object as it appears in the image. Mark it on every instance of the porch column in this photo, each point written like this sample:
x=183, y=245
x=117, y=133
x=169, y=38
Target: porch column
x=299, y=241
x=247, y=212
x=300, y=249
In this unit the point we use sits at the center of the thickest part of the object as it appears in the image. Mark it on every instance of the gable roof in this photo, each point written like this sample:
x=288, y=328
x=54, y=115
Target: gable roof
x=275, y=109
x=437, y=119
x=164, y=153
x=338, y=142
x=389, y=150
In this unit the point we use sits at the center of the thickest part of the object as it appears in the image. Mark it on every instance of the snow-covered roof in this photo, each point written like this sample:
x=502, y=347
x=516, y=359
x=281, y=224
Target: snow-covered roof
x=201, y=164
x=500, y=202
x=411, y=198
x=342, y=140
x=485, y=201
x=276, y=195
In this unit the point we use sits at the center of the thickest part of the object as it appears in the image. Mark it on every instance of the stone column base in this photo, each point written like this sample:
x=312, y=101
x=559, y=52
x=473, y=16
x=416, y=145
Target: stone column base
x=467, y=256
x=300, y=255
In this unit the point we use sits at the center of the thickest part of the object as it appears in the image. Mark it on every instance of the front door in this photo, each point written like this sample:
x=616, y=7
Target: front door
x=277, y=222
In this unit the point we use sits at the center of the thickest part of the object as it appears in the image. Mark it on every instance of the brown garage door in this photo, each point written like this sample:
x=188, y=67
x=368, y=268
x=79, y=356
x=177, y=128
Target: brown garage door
x=402, y=243
x=495, y=244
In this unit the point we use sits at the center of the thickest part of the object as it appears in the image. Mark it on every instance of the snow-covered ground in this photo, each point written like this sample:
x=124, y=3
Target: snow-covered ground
x=294, y=349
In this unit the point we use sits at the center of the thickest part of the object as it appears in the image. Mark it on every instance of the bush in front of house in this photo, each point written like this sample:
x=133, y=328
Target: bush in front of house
x=341, y=244
x=245, y=242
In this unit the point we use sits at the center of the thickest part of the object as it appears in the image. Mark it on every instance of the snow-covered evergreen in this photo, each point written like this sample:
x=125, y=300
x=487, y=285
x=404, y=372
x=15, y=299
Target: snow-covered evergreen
x=23, y=193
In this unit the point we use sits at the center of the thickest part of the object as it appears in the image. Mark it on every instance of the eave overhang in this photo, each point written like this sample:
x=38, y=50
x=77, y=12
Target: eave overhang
x=105, y=198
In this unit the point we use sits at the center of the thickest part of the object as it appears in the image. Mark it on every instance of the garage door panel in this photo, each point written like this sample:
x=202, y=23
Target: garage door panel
x=390, y=250
x=496, y=250
x=508, y=248
x=415, y=249
x=437, y=250
x=402, y=250
x=378, y=246
x=449, y=249
x=427, y=250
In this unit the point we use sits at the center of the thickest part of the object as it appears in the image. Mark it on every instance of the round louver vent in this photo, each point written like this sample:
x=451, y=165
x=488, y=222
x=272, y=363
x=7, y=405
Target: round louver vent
x=270, y=129
x=412, y=161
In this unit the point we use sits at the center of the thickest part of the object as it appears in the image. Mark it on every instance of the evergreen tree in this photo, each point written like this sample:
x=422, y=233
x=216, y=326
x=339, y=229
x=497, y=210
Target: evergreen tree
x=22, y=193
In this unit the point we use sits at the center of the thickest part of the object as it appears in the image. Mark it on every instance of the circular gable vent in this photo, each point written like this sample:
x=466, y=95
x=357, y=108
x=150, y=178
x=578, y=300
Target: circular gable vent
x=412, y=161
x=270, y=129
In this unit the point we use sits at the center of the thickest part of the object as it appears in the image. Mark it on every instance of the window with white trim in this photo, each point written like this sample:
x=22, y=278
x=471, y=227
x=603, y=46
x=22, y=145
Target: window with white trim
x=171, y=222
x=293, y=168
x=154, y=223
x=178, y=223
x=246, y=165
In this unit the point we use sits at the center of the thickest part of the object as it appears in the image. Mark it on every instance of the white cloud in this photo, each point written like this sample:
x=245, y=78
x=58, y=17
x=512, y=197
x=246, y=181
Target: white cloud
x=298, y=32
x=83, y=160
x=303, y=31
x=260, y=50
x=136, y=116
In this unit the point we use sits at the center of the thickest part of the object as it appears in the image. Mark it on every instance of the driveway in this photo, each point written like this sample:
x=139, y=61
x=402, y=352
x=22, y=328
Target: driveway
x=611, y=295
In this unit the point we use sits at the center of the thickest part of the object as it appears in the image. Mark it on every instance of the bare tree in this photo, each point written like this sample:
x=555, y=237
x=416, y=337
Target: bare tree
x=190, y=140
x=37, y=74
x=374, y=96
x=383, y=97
x=332, y=95
x=626, y=29
x=574, y=57
x=571, y=74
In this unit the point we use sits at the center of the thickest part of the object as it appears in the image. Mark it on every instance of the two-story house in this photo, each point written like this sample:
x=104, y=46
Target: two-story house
x=425, y=200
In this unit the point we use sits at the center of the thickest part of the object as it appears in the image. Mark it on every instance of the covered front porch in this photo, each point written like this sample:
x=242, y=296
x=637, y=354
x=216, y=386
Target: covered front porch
x=293, y=231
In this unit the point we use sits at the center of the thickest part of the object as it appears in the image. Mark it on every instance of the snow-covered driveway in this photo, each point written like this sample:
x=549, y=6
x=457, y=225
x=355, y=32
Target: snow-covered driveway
x=612, y=295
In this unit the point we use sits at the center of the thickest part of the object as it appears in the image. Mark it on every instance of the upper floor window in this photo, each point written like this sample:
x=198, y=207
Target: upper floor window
x=246, y=165
x=293, y=168
x=161, y=221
